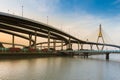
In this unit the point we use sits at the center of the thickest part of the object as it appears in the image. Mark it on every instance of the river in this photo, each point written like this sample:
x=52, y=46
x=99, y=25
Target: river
x=61, y=68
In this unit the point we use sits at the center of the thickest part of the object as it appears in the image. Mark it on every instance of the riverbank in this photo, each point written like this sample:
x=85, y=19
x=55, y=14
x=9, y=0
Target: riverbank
x=30, y=55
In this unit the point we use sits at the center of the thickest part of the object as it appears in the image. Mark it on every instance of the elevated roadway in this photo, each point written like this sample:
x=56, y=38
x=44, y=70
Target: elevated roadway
x=11, y=23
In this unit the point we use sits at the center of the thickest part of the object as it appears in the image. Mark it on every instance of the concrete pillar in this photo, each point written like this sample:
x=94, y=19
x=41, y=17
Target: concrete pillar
x=35, y=39
x=91, y=46
x=69, y=45
x=48, y=40
x=13, y=41
x=78, y=46
x=81, y=46
x=41, y=46
x=66, y=46
x=85, y=55
x=30, y=37
x=54, y=44
x=97, y=47
x=107, y=56
x=62, y=45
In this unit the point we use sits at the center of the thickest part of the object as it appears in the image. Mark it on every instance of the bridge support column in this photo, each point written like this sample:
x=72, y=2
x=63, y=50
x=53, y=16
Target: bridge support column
x=41, y=46
x=91, y=46
x=30, y=37
x=13, y=41
x=48, y=40
x=78, y=46
x=100, y=35
x=35, y=39
x=107, y=56
x=54, y=44
x=61, y=45
x=69, y=46
x=85, y=55
x=81, y=46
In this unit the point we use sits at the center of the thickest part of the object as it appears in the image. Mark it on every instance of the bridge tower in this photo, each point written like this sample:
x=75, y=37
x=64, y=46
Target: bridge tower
x=100, y=36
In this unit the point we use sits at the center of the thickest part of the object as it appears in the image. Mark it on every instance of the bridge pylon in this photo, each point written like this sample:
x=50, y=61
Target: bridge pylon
x=100, y=36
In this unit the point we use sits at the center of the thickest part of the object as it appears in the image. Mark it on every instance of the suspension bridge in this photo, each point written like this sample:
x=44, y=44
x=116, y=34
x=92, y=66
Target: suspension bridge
x=31, y=30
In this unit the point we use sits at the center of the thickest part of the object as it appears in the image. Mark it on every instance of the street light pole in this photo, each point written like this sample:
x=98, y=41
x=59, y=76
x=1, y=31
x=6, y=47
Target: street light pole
x=22, y=10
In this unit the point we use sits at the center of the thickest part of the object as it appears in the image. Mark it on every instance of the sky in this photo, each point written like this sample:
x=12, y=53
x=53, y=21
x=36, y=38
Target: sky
x=80, y=18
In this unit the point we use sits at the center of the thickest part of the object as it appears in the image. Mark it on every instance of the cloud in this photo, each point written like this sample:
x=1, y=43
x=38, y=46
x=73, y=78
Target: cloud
x=80, y=23
x=86, y=26
x=47, y=5
x=116, y=2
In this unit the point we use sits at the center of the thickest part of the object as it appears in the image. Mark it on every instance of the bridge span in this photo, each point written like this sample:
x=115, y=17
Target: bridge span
x=87, y=53
x=17, y=25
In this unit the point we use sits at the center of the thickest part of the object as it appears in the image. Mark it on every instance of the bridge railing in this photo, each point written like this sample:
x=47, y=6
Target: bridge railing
x=67, y=51
x=93, y=51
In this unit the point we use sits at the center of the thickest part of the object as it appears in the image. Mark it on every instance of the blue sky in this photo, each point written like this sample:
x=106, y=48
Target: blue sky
x=95, y=7
x=79, y=17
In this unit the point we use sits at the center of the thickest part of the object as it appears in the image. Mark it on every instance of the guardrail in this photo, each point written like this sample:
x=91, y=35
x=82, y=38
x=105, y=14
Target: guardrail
x=93, y=51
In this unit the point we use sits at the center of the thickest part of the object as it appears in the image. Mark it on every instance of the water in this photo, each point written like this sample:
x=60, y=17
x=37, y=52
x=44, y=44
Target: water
x=61, y=68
